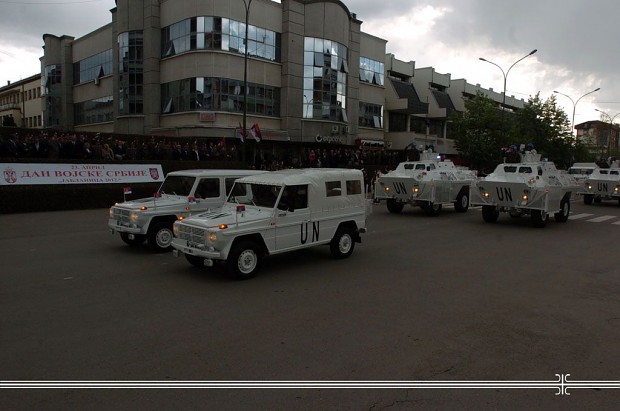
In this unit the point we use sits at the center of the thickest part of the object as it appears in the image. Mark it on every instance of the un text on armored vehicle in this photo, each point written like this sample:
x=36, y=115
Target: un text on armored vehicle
x=603, y=184
x=181, y=194
x=531, y=187
x=428, y=183
x=274, y=213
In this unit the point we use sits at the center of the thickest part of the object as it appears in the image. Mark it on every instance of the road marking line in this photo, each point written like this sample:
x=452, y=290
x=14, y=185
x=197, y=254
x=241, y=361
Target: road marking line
x=577, y=216
x=601, y=219
x=616, y=223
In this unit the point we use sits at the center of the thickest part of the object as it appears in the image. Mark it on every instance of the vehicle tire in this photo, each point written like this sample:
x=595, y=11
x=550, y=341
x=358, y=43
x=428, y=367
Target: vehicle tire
x=489, y=213
x=195, y=261
x=137, y=239
x=394, y=206
x=588, y=198
x=539, y=218
x=343, y=243
x=433, y=209
x=462, y=201
x=160, y=237
x=243, y=260
x=562, y=215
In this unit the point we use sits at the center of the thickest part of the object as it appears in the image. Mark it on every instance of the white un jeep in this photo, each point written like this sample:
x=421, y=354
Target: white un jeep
x=181, y=194
x=274, y=213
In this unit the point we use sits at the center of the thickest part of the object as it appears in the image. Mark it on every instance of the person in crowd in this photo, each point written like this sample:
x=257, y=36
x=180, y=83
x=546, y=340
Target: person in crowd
x=107, y=153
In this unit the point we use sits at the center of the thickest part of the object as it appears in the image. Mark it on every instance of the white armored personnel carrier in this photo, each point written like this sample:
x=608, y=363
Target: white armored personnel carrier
x=603, y=184
x=428, y=183
x=531, y=187
x=181, y=194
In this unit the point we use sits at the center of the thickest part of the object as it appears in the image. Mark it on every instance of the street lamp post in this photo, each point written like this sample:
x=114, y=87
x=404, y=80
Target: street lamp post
x=245, y=72
x=572, y=124
x=505, y=77
x=611, y=127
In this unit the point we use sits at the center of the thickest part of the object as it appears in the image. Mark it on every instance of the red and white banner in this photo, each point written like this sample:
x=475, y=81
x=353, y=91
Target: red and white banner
x=30, y=174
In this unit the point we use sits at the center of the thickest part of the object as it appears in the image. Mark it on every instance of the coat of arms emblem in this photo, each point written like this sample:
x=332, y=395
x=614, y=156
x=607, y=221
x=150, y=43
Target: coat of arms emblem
x=10, y=176
x=154, y=173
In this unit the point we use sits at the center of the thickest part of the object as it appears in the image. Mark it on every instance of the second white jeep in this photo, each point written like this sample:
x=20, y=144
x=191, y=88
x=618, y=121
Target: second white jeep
x=181, y=194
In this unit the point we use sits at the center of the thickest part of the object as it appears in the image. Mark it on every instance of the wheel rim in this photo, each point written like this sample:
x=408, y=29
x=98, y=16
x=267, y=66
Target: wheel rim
x=247, y=261
x=464, y=201
x=163, y=238
x=565, y=210
x=436, y=207
x=344, y=244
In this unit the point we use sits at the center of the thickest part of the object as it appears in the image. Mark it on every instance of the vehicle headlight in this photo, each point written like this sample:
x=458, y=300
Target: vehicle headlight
x=617, y=189
x=211, y=237
x=111, y=212
x=134, y=216
x=175, y=229
x=415, y=189
x=532, y=181
x=589, y=186
x=386, y=189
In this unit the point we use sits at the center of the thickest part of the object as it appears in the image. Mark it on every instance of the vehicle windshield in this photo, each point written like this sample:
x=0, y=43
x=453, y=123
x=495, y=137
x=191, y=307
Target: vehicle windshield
x=177, y=185
x=580, y=171
x=260, y=195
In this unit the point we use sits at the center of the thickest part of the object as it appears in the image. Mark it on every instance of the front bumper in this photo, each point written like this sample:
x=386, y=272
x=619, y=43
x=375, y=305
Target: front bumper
x=118, y=226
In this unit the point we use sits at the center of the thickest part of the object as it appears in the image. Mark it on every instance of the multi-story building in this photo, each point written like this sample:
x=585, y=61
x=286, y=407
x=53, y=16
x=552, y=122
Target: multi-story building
x=20, y=103
x=600, y=138
x=177, y=68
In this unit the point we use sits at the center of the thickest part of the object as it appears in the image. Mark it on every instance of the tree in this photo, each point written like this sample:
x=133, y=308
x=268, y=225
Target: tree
x=478, y=133
x=547, y=127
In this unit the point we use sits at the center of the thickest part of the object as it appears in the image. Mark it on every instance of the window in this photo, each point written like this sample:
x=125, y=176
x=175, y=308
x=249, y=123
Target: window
x=372, y=71
x=333, y=188
x=219, y=94
x=208, y=188
x=510, y=169
x=98, y=110
x=354, y=187
x=130, y=71
x=294, y=198
x=93, y=67
x=370, y=115
x=325, y=79
x=218, y=33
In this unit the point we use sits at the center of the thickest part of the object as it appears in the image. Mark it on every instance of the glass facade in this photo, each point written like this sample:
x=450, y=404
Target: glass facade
x=372, y=71
x=98, y=110
x=130, y=72
x=219, y=94
x=219, y=33
x=51, y=83
x=93, y=67
x=325, y=79
x=371, y=115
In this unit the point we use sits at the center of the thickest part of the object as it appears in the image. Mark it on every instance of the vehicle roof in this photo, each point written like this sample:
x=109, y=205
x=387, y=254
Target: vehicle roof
x=584, y=165
x=214, y=172
x=303, y=176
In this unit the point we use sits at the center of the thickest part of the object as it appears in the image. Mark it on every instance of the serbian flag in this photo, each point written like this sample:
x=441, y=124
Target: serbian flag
x=126, y=190
x=240, y=208
x=255, y=131
x=241, y=133
x=157, y=194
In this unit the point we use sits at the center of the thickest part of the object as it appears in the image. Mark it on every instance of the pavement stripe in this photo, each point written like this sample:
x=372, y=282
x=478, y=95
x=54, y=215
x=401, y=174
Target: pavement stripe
x=616, y=223
x=578, y=216
x=602, y=218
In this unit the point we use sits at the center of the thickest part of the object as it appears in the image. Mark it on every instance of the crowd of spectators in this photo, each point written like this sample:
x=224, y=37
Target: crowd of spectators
x=54, y=145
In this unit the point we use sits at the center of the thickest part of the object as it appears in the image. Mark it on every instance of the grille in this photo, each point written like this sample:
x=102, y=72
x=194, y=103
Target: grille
x=121, y=215
x=192, y=234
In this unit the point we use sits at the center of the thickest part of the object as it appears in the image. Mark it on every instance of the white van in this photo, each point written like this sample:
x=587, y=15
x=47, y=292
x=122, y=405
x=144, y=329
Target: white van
x=274, y=213
x=181, y=194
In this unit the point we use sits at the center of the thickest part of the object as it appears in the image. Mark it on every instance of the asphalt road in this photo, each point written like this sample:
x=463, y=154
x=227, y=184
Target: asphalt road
x=447, y=298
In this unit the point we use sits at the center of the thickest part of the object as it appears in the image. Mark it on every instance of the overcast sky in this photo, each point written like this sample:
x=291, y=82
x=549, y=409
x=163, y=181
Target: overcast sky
x=577, y=41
